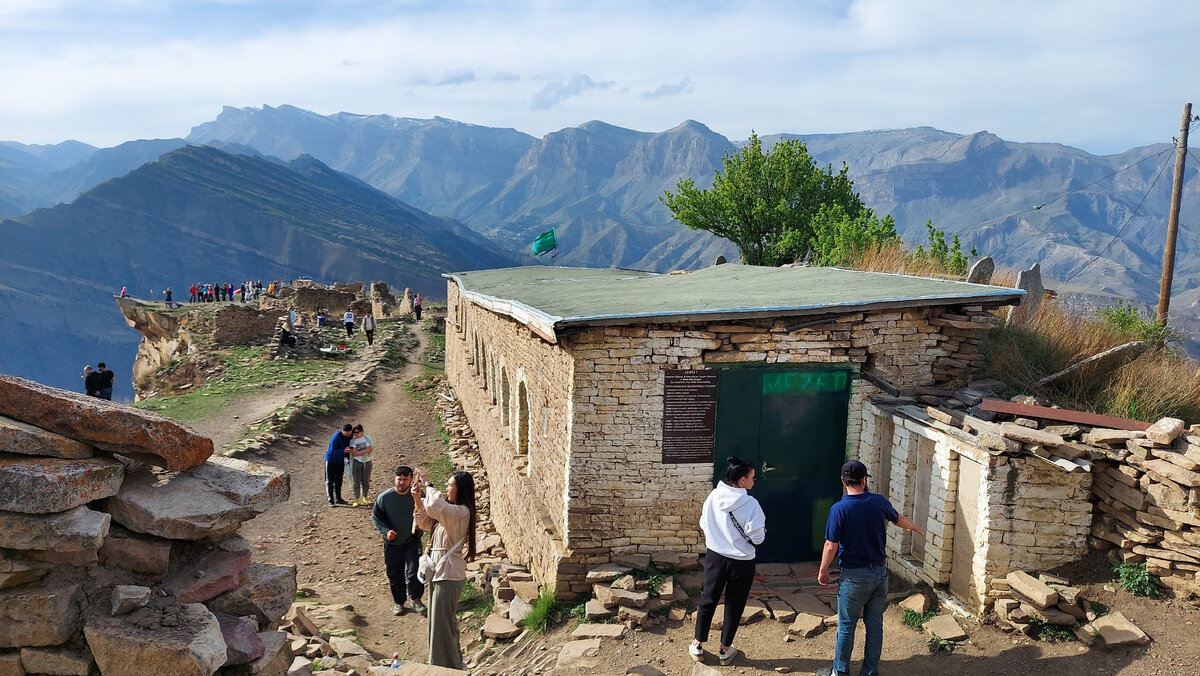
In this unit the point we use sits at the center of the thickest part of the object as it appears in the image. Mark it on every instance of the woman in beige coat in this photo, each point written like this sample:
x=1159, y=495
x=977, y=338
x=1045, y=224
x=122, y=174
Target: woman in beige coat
x=451, y=517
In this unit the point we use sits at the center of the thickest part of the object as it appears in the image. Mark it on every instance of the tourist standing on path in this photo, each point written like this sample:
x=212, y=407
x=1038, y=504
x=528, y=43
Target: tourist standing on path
x=733, y=525
x=106, y=381
x=92, y=381
x=335, y=463
x=192, y=293
x=348, y=320
x=418, y=302
x=368, y=327
x=855, y=531
x=361, y=447
x=394, y=516
x=167, y=293
x=454, y=517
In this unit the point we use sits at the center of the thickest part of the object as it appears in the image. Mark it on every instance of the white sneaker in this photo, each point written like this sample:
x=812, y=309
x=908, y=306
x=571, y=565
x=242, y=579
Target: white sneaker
x=696, y=650
x=726, y=656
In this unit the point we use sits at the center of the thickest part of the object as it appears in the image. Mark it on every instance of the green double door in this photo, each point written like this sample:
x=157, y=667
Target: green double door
x=791, y=425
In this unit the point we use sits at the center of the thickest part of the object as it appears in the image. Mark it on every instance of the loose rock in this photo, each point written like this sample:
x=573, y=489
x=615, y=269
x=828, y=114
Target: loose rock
x=46, y=485
x=128, y=598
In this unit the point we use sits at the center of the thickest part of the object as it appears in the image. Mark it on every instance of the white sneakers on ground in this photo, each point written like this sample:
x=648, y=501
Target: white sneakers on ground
x=726, y=656
x=696, y=650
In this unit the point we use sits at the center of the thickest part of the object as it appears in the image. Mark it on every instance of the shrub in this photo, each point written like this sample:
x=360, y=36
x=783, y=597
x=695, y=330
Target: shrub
x=545, y=614
x=1135, y=579
x=1128, y=320
x=917, y=621
x=1051, y=633
x=941, y=646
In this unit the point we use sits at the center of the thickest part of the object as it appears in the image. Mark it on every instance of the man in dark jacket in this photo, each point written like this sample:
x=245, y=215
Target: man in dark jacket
x=335, y=464
x=92, y=381
x=106, y=382
x=393, y=518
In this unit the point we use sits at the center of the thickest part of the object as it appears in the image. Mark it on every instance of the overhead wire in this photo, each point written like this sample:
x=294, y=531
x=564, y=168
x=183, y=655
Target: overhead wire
x=1128, y=220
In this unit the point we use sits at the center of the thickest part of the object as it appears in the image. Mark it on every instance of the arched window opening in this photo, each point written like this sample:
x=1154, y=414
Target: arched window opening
x=522, y=419
x=504, y=393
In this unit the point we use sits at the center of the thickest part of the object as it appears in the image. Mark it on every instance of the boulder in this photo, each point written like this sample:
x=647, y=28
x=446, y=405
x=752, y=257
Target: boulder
x=201, y=579
x=242, y=644
x=183, y=506
x=807, y=625
x=107, y=425
x=1116, y=629
x=700, y=669
x=41, y=615
x=579, y=655
x=526, y=591
x=918, y=603
x=753, y=611
x=631, y=599
x=18, y=437
x=594, y=609
x=1165, y=430
x=301, y=666
x=163, y=637
x=981, y=271
x=945, y=627
x=276, y=658
x=127, y=598
x=265, y=591
x=16, y=573
x=1031, y=282
x=76, y=529
x=345, y=647
x=58, y=661
x=245, y=484
x=138, y=553
x=45, y=485
x=518, y=609
x=500, y=628
x=634, y=615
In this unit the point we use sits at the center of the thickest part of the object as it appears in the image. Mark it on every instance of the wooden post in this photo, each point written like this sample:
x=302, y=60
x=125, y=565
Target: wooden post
x=1164, y=289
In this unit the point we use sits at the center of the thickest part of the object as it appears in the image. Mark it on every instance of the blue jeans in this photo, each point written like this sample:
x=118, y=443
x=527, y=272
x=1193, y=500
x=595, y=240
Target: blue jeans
x=861, y=593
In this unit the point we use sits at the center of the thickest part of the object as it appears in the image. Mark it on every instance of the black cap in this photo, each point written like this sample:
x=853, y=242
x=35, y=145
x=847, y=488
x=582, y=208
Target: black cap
x=854, y=471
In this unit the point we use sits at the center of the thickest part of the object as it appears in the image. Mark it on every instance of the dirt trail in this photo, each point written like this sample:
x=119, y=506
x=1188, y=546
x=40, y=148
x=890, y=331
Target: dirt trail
x=231, y=422
x=338, y=552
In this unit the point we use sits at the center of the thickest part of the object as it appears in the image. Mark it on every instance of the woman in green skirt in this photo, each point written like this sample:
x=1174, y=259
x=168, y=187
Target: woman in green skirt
x=451, y=518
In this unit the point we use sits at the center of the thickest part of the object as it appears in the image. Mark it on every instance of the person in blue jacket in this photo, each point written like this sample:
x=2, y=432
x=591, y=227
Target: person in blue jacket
x=335, y=463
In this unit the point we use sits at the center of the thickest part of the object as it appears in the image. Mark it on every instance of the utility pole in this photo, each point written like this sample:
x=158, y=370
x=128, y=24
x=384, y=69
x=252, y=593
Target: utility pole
x=1164, y=289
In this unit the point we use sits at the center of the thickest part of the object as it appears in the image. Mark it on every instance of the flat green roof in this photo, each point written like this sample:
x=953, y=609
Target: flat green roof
x=552, y=298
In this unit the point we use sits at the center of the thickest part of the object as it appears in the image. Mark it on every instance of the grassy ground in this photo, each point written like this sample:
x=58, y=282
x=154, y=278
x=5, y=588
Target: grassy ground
x=246, y=370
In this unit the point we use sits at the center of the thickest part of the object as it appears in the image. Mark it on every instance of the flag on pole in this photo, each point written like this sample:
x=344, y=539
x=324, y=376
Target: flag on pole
x=547, y=241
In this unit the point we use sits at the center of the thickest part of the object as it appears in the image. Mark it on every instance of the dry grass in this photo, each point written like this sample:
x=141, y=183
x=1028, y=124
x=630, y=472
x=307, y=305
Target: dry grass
x=1162, y=382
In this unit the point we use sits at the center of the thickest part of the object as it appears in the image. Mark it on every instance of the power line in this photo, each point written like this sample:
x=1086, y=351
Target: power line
x=1124, y=225
x=1039, y=207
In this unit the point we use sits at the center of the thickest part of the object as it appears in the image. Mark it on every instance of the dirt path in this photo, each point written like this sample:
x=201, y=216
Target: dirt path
x=338, y=552
x=232, y=421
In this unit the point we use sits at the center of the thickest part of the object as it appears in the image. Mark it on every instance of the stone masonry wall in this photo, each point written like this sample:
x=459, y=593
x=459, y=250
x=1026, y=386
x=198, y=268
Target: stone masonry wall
x=527, y=488
x=235, y=324
x=1030, y=514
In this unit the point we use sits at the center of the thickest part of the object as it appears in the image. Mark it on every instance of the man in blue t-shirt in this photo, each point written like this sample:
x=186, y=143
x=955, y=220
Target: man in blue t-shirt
x=335, y=463
x=855, y=533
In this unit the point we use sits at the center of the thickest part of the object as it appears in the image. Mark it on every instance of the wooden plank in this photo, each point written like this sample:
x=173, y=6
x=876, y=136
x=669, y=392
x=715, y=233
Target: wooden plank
x=828, y=319
x=880, y=382
x=1062, y=414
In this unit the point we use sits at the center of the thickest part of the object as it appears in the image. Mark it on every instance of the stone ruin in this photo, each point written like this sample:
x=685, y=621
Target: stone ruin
x=119, y=551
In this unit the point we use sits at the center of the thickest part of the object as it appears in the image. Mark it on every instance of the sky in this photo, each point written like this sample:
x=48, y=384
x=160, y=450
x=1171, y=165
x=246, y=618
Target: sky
x=1101, y=75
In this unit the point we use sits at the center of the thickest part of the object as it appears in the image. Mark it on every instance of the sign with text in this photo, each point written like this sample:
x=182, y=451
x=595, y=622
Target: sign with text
x=689, y=416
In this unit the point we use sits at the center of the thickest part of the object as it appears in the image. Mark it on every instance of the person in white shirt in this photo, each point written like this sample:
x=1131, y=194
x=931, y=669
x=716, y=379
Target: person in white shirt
x=348, y=320
x=733, y=525
x=361, y=464
x=368, y=327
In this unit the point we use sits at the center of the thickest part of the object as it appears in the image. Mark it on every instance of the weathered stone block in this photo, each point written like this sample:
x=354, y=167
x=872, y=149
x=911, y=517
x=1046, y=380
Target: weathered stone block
x=40, y=615
x=127, y=598
x=107, y=425
x=23, y=439
x=265, y=591
x=76, y=529
x=57, y=662
x=242, y=644
x=122, y=549
x=160, y=638
x=46, y=485
x=202, y=579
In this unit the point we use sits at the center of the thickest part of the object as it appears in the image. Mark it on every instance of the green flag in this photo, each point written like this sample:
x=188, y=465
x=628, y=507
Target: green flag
x=547, y=241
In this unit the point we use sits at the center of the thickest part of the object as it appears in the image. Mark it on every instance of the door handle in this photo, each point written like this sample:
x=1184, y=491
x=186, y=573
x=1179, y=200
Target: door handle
x=767, y=468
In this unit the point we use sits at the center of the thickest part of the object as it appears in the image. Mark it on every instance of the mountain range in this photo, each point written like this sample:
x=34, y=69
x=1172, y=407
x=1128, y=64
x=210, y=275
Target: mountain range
x=1095, y=223
x=200, y=214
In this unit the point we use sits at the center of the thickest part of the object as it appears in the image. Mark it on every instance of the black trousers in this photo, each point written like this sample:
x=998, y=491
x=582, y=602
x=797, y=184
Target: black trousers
x=349, y=329
x=401, y=564
x=334, y=473
x=417, y=312
x=731, y=577
x=370, y=336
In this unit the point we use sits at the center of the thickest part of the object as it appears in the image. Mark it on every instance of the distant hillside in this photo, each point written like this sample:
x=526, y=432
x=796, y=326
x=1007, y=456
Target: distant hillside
x=201, y=214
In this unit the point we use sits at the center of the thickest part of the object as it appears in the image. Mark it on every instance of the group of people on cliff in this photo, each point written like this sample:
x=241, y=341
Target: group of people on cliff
x=98, y=382
x=222, y=292
x=409, y=508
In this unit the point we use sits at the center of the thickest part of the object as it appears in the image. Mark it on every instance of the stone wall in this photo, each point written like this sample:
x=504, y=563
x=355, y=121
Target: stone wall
x=483, y=351
x=112, y=565
x=1029, y=513
x=237, y=324
x=309, y=300
x=595, y=416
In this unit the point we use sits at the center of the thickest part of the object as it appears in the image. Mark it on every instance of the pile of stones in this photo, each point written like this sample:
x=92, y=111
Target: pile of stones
x=119, y=550
x=1052, y=600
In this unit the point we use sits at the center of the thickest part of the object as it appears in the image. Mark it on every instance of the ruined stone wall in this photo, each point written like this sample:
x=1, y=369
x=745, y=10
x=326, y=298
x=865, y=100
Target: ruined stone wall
x=1029, y=513
x=237, y=324
x=482, y=351
x=309, y=300
x=130, y=567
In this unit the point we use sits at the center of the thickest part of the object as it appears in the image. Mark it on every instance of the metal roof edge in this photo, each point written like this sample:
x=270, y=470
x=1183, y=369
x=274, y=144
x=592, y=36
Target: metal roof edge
x=518, y=311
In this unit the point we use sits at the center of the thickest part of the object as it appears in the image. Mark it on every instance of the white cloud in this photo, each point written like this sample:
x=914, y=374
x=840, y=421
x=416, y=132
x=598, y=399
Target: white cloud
x=1104, y=76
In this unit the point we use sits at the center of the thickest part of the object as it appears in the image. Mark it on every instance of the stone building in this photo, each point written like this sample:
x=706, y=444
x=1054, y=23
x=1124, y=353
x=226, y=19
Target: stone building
x=605, y=401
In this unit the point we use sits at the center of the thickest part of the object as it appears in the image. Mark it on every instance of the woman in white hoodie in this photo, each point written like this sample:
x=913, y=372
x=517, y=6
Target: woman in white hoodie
x=733, y=525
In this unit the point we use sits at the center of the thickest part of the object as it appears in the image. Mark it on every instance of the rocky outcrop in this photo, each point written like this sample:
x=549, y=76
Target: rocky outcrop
x=106, y=563
x=107, y=425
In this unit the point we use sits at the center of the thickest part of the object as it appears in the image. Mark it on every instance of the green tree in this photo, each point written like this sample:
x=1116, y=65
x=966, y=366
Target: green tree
x=949, y=257
x=765, y=202
x=836, y=239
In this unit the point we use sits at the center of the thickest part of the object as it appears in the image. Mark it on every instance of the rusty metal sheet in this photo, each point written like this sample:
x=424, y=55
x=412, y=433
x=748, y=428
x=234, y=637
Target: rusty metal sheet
x=1063, y=415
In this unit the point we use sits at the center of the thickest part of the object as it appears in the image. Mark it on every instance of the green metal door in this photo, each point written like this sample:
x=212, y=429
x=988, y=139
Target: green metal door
x=791, y=424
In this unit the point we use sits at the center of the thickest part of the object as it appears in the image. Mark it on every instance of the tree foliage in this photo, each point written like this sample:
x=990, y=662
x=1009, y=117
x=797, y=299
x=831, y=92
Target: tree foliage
x=949, y=257
x=835, y=238
x=766, y=203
